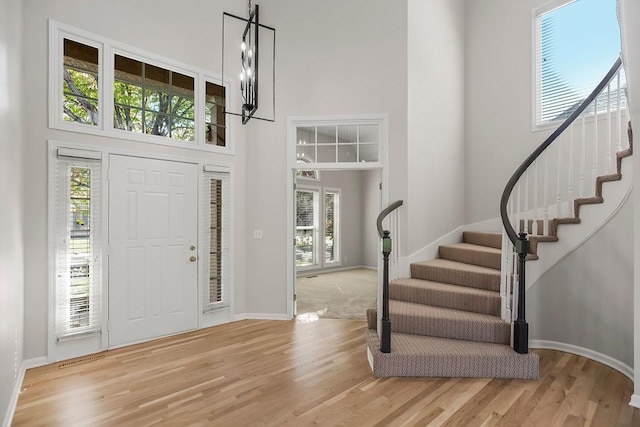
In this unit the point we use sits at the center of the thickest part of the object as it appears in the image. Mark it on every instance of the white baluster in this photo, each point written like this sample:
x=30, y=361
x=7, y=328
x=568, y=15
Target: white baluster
x=583, y=155
x=618, y=113
x=558, y=169
x=594, y=165
x=570, y=170
x=534, y=227
x=525, y=216
x=607, y=163
x=545, y=197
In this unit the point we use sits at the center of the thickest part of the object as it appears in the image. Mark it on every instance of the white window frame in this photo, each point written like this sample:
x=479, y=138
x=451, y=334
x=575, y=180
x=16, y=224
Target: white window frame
x=223, y=174
x=320, y=232
x=92, y=339
x=317, y=232
x=107, y=48
x=337, y=218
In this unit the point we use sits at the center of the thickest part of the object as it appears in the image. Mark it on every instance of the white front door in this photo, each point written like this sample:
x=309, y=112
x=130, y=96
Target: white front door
x=153, y=288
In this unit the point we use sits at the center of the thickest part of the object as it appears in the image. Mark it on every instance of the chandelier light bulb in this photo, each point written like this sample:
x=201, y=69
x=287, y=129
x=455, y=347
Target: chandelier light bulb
x=250, y=53
x=249, y=72
x=242, y=76
x=243, y=46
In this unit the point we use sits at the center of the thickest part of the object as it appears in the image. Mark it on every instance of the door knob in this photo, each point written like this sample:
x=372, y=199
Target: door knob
x=192, y=258
x=193, y=248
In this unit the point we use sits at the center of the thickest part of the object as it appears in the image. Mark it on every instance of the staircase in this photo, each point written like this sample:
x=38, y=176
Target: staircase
x=457, y=315
x=446, y=320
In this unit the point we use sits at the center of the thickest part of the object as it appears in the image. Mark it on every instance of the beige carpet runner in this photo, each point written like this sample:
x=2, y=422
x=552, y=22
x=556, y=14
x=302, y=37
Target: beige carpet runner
x=445, y=319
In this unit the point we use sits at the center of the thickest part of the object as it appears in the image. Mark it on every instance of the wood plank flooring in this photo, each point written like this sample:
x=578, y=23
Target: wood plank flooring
x=277, y=373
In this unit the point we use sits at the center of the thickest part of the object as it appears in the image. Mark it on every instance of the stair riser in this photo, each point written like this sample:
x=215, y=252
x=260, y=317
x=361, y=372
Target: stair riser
x=470, y=257
x=470, y=279
x=493, y=240
x=423, y=363
x=446, y=299
x=497, y=333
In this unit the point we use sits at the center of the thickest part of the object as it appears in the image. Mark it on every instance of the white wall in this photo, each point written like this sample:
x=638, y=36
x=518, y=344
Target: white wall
x=333, y=58
x=371, y=196
x=12, y=210
x=190, y=34
x=498, y=100
x=586, y=300
x=436, y=117
x=629, y=16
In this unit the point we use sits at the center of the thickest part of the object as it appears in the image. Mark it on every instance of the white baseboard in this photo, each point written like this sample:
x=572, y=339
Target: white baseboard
x=635, y=400
x=370, y=358
x=624, y=369
x=262, y=316
x=26, y=364
x=304, y=273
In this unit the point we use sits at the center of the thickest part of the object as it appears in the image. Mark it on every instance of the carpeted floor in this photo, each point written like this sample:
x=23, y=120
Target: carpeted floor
x=340, y=295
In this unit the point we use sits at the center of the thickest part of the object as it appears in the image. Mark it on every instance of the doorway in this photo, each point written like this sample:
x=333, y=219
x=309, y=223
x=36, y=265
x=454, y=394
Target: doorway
x=153, y=229
x=336, y=241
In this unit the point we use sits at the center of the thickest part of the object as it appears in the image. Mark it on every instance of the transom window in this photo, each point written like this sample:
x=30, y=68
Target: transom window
x=151, y=97
x=80, y=83
x=153, y=100
x=343, y=143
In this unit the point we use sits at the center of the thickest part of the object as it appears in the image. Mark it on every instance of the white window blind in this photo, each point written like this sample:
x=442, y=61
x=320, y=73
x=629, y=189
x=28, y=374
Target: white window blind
x=307, y=222
x=331, y=226
x=215, y=206
x=78, y=258
x=576, y=44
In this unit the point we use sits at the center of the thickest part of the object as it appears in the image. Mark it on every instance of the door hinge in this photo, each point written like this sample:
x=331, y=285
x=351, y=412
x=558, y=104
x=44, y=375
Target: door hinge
x=295, y=297
x=380, y=186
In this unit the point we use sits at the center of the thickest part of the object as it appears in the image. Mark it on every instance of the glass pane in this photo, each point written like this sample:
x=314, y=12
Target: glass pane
x=215, y=243
x=127, y=118
x=127, y=94
x=306, y=153
x=306, y=135
x=183, y=129
x=182, y=107
x=305, y=227
x=307, y=173
x=215, y=118
x=347, y=153
x=329, y=218
x=326, y=134
x=80, y=80
x=215, y=135
x=326, y=153
x=156, y=77
x=368, y=152
x=369, y=133
x=79, y=246
x=156, y=124
x=347, y=134
x=80, y=110
x=155, y=101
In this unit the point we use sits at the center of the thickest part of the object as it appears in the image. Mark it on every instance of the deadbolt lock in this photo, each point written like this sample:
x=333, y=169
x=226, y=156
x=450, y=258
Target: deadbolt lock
x=193, y=248
x=193, y=259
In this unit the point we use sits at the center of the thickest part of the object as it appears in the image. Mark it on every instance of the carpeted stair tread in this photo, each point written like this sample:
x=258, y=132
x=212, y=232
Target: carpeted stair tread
x=457, y=273
x=493, y=240
x=445, y=295
x=585, y=201
x=422, y=356
x=469, y=253
x=420, y=319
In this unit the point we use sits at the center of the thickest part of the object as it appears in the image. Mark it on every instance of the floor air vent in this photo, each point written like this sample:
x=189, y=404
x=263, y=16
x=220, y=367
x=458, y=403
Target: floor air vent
x=80, y=360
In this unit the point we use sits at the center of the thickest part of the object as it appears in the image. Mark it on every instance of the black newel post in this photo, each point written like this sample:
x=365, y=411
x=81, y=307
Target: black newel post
x=385, y=343
x=521, y=327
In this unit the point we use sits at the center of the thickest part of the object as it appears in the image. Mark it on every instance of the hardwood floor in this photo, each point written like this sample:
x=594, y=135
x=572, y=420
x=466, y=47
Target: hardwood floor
x=274, y=373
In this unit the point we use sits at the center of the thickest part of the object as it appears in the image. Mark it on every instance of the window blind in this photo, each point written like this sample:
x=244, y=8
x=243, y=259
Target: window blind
x=576, y=44
x=78, y=260
x=215, y=206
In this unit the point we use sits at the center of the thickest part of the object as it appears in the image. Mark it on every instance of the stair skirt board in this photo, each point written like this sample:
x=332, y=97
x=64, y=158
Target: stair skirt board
x=422, y=356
